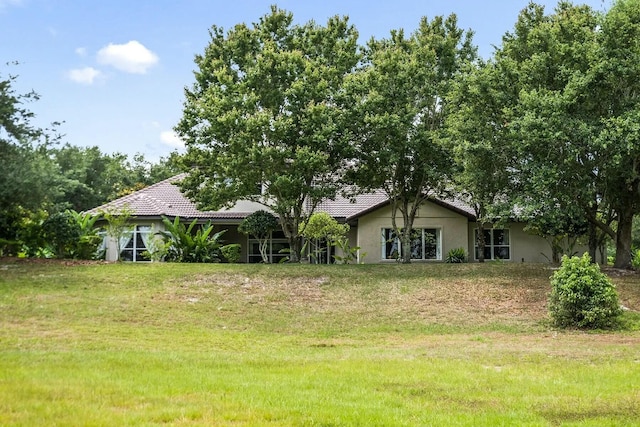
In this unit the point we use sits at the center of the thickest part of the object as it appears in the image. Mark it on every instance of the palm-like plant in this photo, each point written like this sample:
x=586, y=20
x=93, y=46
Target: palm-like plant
x=181, y=244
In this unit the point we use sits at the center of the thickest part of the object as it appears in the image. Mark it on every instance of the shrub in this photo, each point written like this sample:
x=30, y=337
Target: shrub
x=582, y=296
x=182, y=245
x=260, y=224
x=231, y=252
x=62, y=232
x=456, y=256
x=635, y=259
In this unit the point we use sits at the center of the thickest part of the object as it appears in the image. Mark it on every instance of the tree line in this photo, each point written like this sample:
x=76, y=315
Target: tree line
x=42, y=177
x=546, y=130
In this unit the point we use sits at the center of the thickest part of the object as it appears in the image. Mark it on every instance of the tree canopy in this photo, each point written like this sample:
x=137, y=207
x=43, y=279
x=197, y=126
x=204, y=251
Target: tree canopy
x=263, y=121
x=401, y=102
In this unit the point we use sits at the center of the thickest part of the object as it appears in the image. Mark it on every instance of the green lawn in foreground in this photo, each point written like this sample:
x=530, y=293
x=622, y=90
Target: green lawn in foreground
x=281, y=345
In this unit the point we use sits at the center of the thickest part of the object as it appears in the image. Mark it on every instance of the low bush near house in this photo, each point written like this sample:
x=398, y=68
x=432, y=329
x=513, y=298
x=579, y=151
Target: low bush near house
x=231, y=253
x=456, y=256
x=182, y=245
x=582, y=296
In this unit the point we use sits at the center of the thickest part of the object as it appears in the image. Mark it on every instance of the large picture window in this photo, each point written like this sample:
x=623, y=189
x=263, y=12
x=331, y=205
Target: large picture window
x=277, y=243
x=497, y=244
x=425, y=244
x=134, y=244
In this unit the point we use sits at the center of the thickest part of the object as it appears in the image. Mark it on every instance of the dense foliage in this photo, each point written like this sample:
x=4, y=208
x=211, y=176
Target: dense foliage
x=34, y=222
x=582, y=296
x=400, y=105
x=265, y=118
x=192, y=243
x=546, y=131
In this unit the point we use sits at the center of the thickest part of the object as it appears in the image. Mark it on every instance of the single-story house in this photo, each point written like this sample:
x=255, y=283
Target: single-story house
x=441, y=225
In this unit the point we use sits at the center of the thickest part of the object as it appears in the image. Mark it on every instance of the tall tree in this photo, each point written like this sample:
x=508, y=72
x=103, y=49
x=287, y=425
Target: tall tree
x=577, y=113
x=554, y=120
x=29, y=179
x=263, y=121
x=478, y=138
x=616, y=87
x=402, y=106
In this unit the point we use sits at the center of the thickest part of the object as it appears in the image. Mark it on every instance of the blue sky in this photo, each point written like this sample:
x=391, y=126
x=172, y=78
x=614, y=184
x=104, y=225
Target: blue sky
x=114, y=71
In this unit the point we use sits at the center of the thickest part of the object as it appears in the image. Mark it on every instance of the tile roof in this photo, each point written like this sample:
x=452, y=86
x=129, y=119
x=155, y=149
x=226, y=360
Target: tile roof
x=165, y=199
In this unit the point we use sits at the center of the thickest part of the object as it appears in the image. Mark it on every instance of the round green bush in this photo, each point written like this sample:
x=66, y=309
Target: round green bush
x=582, y=296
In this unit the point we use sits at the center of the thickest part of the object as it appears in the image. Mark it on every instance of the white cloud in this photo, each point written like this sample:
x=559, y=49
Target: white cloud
x=131, y=57
x=81, y=51
x=170, y=138
x=85, y=76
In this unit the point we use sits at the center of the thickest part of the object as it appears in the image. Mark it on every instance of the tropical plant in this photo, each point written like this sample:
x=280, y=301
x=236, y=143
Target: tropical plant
x=86, y=246
x=183, y=245
x=456, y=256
x=349, y=253
x=582, y=296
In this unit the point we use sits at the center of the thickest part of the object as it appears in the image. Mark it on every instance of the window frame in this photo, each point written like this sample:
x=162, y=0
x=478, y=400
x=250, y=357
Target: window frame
x=491, y=246
x=136, y=250
x=386, y=239
x=278, y=240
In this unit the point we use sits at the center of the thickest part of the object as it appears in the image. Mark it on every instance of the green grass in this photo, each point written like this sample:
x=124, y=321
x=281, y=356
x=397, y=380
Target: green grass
x=282, y=345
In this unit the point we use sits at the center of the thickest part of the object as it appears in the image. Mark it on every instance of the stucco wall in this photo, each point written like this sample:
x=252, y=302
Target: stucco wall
x=453, y=228
x=524, y=246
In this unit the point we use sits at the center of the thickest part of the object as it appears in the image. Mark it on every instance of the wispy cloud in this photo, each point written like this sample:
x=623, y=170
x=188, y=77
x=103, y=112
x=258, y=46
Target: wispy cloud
x=131, y=57
x=81, y=51
x=85, y=76
x=171, y=139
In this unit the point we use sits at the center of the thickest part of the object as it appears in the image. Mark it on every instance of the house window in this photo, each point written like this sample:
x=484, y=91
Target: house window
x=425, y=244
x=134, y=244
x=276, y=248
x=497, y=244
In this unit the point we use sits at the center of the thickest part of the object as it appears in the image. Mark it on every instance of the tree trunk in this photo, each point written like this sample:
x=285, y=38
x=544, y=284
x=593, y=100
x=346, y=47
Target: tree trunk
x=405, y=240
x=623, y=237
x=405, y=237
x=480, y=241
x=593, y=242
x=295, y=247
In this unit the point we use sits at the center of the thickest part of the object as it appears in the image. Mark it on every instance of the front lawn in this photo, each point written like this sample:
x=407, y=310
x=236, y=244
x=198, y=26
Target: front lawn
x=281, y=345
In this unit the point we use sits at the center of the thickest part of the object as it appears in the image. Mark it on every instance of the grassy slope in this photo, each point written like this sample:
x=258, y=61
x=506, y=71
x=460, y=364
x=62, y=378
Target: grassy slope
x=304, y=345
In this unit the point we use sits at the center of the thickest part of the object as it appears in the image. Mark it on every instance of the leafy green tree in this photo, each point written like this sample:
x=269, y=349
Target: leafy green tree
x=91, y=177
x=615, y=87
x=260, y=224
x=478, y=139
x=324, y=229
x=264, y=119
x=557, y=179
x=401, y=103
x=577, y=113
x=24, y=160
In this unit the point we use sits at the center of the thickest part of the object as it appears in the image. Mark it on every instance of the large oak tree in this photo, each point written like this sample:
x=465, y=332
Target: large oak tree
x=401, y=109
x=264, y=119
